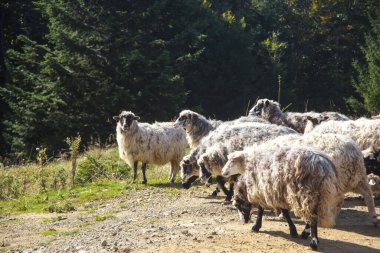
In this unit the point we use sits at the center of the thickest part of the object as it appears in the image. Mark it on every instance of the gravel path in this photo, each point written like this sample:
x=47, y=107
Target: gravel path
x=160, y=219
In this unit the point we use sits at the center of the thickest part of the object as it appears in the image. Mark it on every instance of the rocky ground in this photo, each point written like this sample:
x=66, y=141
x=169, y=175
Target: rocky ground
x=160, y=219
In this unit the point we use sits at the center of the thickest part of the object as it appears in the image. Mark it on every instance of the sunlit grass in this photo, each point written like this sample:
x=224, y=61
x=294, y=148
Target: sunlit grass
x=63, y=198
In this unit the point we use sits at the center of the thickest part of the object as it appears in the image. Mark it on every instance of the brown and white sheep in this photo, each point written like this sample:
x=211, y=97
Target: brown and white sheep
x=292, y=177
x=270, y=110
x=232, y=137
x=344, y=153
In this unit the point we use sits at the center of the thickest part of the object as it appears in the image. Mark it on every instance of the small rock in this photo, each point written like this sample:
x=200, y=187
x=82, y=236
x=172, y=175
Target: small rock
x=114, y=233
x=104, y=243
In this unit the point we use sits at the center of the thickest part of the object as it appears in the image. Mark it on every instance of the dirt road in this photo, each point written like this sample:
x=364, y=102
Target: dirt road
x=162, y=219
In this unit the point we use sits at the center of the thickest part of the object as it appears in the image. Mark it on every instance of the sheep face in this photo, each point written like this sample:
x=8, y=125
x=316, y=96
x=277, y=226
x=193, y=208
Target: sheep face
x=185, y=119
x=374, y=182
x=235, y=164
x=126, y=120
x=189, y=172
x=260, y=107
x=372, y=162
x=244, y=209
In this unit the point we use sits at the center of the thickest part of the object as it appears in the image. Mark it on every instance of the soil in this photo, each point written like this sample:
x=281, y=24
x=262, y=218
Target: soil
x=158, y=219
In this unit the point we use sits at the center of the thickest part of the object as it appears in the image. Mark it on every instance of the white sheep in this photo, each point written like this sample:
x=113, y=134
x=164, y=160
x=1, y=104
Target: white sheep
x=344, y=153
x=270, y=110
x=157, y=143
x=197, y=126
x=232, y=137
x=291, y=177
x=365, y=132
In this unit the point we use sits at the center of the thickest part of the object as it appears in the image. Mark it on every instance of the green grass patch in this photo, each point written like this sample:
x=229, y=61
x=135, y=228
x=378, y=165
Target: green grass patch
x=53, y=232
x=103, y=217
x=62, y=201
x=54, y=219
x=50, y=232
x=101, y=175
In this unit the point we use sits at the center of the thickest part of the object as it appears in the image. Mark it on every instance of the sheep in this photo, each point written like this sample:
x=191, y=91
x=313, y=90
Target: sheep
x=372, y=161
x=197, y=126
x=374, y=182
x=270, y=110
x=291, y=177
x=365, y=132
x=157, y=143
x=233, y=137
x=344, y=153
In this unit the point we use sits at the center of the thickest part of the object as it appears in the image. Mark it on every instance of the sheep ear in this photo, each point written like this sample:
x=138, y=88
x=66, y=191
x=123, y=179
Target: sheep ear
x=117, y=118
x=313, y=120
x=136, y=118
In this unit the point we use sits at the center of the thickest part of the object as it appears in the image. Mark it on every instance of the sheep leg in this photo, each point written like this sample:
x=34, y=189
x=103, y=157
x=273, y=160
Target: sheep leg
x=259, y=220
x=363, y=189
x=215, y=192
x=306, y=232
x=220, y=181
x=292, y=228
x=135, y=171
x=143, y=168
x=314, y=232
x=174, y=167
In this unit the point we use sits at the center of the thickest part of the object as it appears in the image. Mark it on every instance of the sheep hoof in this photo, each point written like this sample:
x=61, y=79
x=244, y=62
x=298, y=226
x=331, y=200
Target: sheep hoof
x=304, y=235
x=214, y=193
x=144, y=182
x=294, y=234
x=228, y=198
x=256, y=228
x=375, y=221
x=314, y=244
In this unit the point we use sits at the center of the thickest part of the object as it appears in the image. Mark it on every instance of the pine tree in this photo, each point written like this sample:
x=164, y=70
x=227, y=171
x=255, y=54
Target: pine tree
x=367, y=83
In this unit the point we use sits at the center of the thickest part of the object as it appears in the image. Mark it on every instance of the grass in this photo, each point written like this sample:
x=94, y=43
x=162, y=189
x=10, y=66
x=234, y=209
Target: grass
x=53, y=232
x=103, y=217
x=21, y=192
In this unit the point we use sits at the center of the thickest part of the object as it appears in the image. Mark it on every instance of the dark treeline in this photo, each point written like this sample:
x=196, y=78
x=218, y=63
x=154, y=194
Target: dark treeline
x=68, y=66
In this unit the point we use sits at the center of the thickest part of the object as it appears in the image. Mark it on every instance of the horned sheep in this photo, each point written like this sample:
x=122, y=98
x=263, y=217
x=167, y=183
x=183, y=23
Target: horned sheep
x=157, y=143
x=270, y=110
x=231, y=137
x=344, y=153
x=292, y=177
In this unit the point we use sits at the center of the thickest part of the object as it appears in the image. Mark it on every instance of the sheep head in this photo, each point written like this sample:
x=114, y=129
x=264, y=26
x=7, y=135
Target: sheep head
x=241, y=202
x=126, y=120
x=235, y=164
x=189, y=172
x=263, y=106
x=186, y=119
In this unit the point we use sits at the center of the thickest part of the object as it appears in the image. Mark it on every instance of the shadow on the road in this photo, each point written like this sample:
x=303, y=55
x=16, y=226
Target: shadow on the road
x=325, y=244
x=167, y=185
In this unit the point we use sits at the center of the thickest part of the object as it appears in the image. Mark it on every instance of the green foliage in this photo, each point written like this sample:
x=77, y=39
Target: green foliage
x=91, y=169
x=10, y=186
x=74, y=144
x=367, y=83
x=67, y=66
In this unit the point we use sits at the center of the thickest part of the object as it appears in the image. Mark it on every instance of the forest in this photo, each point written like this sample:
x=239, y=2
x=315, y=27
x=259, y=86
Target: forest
x=68, y=66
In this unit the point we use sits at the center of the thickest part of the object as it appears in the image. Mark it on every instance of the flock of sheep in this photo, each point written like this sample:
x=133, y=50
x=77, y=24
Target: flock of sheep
x=303, y=162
